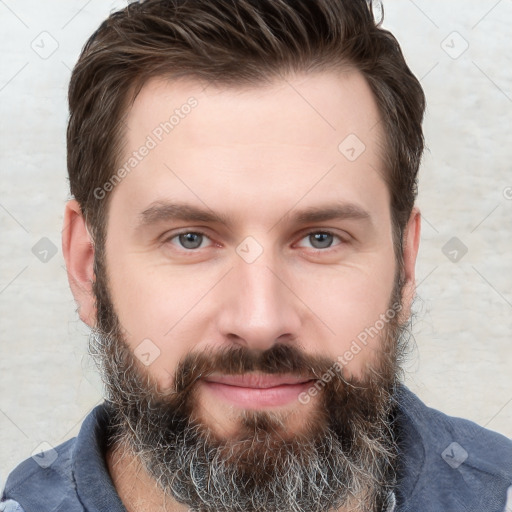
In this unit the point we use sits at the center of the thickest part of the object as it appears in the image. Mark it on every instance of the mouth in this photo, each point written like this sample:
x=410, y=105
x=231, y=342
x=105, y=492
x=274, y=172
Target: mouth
x=256, y=390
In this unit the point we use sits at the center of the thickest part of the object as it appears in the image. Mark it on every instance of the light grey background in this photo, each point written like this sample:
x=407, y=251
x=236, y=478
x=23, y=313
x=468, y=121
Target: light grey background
x=463, y=328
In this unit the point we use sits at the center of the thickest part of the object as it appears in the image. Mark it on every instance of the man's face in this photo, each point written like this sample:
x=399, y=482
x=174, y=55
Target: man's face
x=258, y=158
x=260, y=220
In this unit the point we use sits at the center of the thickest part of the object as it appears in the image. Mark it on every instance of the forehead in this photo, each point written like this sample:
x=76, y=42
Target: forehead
x=313, y=135
x=331, y=105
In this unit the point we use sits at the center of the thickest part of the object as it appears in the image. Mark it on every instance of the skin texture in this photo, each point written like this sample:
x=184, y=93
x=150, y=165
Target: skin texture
x=256, y=156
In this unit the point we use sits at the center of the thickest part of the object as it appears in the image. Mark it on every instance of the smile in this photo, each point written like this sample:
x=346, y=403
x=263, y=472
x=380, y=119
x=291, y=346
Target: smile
x=256, y=391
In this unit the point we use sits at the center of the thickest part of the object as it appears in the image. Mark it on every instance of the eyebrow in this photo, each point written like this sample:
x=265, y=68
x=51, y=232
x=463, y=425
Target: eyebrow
x=161, y=211
x=336, y=211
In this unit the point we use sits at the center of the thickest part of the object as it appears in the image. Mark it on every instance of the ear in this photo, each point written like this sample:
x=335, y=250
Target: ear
x=78, y=251
x=410, y=251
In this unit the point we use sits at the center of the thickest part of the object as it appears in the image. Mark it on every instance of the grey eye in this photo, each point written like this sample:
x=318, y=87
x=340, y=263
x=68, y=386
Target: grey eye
x=321, y=240
x=191, y=240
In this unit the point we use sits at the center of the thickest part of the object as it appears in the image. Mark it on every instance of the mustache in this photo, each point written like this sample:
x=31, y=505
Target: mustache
x=280, y=359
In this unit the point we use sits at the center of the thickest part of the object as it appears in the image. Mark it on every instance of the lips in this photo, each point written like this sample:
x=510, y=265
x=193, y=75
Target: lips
x=255, y=390
x=257, y=380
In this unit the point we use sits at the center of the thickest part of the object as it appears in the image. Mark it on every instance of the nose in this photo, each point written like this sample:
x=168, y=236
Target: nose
x=260, y=307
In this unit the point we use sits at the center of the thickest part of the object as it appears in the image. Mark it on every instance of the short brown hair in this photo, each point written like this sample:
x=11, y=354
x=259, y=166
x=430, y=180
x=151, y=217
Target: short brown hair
x=233, y=42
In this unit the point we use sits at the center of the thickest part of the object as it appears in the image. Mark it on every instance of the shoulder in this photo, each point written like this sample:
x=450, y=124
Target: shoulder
x=43, y=478
x=72, y=477
x=61, y=477
x=462, y=441
x=461, y=463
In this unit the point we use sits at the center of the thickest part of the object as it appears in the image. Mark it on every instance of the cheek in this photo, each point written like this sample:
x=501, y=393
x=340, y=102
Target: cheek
x=349, y=303
x=151, y=299
x=162, y=309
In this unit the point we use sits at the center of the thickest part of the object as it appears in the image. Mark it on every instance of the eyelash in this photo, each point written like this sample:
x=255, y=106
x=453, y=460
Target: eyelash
x=303, y=236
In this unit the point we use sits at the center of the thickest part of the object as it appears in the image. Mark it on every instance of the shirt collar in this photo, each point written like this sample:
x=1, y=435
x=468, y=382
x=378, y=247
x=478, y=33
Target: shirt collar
x=93, y=483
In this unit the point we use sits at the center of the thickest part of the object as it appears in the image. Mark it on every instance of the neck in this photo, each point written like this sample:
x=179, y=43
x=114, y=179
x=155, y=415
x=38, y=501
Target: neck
x=136, y=489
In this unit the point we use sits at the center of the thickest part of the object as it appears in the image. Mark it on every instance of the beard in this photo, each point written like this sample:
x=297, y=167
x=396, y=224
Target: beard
x=344, y=456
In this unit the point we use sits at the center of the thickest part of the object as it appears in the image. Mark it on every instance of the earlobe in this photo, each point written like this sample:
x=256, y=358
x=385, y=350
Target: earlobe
x=411, y=244
x=78, y=251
